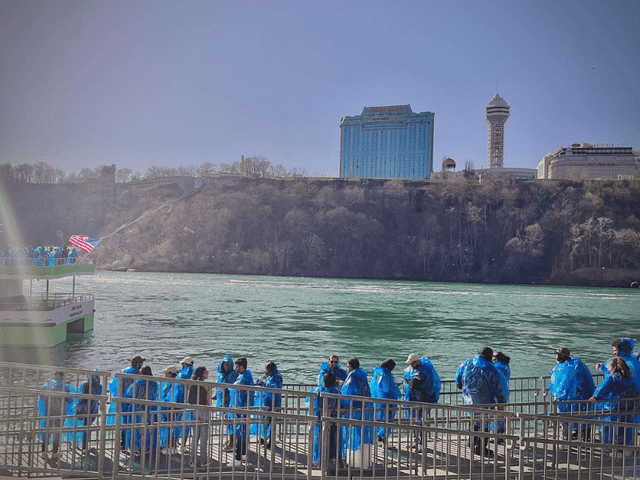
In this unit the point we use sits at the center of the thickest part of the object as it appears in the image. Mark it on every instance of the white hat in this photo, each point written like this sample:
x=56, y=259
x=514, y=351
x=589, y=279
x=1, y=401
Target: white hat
x=170, y=369
x=187, y=360
x=413, y=357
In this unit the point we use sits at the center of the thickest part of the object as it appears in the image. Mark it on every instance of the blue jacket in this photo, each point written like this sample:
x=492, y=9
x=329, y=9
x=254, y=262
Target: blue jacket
x=426, y=382
x=228, y=375
x=571, y=380
x=266, y=399
x=480, y=382
x=383, y=385
x=340, y=373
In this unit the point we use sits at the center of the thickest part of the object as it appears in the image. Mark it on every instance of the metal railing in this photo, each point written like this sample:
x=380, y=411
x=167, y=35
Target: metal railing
x=306, y=437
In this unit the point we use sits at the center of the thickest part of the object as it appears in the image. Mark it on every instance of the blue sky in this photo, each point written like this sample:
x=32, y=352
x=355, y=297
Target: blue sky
x=165, y=83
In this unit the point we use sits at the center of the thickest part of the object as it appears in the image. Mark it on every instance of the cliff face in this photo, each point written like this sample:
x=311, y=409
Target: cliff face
x=497, y=231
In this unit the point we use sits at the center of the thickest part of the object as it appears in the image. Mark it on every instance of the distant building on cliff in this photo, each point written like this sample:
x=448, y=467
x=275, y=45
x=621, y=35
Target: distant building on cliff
x=585, y=161
x=497, y=114
x=387, y=142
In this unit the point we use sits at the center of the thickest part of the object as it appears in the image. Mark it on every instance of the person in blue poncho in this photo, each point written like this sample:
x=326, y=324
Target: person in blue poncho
x=226, y=374
x=571, y=380
x=421, y=383
x=169, y=436
x=615, y=392
x=240, y=398
x=333, y=366
x=86, y=409
x=383, y=385
x=328, y=386
x=186, y=372
x=501, y=362
x=481, y=384
x=267, y=400
x=623, y=348
x=53, y=409
x=118, y=390
x=145, y=416
x=356, y=384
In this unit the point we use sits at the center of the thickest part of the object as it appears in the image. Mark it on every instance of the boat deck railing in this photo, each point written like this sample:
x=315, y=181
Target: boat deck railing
x=45, y=302
x=345, y=437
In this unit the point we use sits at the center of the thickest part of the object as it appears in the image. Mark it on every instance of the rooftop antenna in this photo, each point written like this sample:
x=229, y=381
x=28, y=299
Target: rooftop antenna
x=497, y=91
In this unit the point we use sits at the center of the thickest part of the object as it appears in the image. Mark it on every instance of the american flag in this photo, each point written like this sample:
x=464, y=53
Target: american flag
x=83, y=242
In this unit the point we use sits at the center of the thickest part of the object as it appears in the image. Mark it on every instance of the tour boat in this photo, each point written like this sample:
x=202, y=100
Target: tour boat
x=43, y=319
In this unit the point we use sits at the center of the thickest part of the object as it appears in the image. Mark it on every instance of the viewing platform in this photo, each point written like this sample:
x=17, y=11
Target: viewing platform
x=535, y=443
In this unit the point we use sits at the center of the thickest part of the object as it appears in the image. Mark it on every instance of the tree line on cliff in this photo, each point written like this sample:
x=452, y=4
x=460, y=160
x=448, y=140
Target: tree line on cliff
x=42, y=173
x=496, y=231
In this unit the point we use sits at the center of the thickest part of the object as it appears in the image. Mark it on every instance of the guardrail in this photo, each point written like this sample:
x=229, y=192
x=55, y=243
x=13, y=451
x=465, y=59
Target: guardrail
x=339, y=437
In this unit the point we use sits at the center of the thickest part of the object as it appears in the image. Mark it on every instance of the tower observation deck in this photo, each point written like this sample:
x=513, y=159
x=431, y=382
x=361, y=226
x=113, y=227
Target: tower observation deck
x=498, y=112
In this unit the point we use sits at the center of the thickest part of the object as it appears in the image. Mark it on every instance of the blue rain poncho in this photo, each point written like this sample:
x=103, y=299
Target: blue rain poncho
x=383, y=385
x=186, y=372
x=169, y=393
x=87, y=410
x=571, y=380
x=332, y=409
x=505, y=370
x=426, y=382
x=611, y=394
x=240, y=399
x=56, y=408
x=267, y=401
x=143, y=414
x=226, y=374
x=356, y=384
x=626, y=353
x=480, y=382
x=114, y=390
x=339, y=373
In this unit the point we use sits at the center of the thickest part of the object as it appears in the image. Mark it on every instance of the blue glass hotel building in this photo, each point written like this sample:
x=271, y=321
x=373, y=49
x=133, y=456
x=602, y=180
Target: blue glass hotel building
x=387, y=142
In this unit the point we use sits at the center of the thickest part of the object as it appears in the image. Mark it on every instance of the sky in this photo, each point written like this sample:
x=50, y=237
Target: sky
x=168, y=83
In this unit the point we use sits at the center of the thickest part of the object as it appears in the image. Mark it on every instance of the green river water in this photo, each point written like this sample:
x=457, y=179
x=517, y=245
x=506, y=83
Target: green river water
x=297, y=322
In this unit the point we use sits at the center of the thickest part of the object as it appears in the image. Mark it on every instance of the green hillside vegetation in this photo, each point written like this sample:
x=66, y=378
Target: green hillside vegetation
x=575, y=233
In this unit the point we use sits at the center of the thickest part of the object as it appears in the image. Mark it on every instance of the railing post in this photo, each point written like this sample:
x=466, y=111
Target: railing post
x=102, y=449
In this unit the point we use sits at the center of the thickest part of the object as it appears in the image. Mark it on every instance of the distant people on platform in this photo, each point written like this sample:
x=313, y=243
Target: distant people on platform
x=481, y=384
x=421, y=383
x=240, y=398
x=623, y=348
x=333, y=366
x=226, y=374
x=53, y=409
x=117, y=390
x=328, y=387
x=87, y=410
x=39, y=256
x=383, y=385
x=168, y=392
x=356, y=438
x=483, y=380
x=142, y=389
x=268, y=401
x=501, y=362
x=616, y=394
x=200, y=395
x=571, y=380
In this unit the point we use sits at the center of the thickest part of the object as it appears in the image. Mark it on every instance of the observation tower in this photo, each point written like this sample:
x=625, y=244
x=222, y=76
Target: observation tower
x=498, y=112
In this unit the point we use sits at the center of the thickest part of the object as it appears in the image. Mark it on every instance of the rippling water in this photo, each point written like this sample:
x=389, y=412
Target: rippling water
x=297, y=322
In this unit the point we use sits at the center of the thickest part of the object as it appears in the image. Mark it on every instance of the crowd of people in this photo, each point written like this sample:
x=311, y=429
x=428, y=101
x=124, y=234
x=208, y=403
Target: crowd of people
x=482, y=379
x=39, y=256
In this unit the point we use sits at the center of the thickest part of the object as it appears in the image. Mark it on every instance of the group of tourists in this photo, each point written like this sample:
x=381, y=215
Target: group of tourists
x=482, y=379
x=39, y=256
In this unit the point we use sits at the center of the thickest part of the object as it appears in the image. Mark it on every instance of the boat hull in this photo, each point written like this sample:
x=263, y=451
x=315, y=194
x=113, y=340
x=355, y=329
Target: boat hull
x=45, y=328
